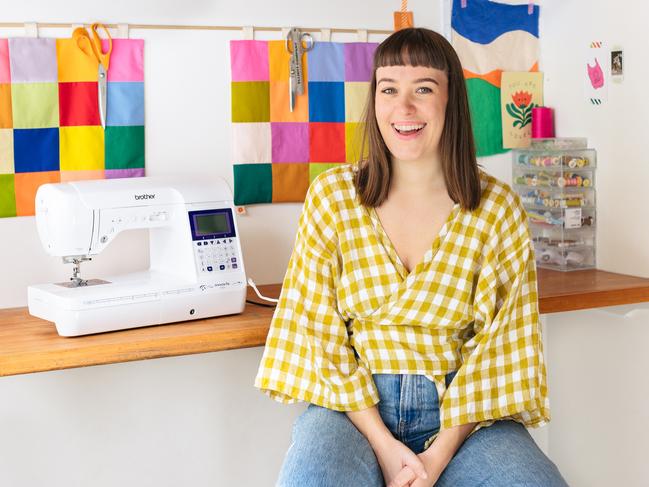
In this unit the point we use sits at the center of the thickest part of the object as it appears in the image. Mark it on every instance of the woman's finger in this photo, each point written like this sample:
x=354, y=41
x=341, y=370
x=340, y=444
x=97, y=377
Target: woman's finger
x=403, y=478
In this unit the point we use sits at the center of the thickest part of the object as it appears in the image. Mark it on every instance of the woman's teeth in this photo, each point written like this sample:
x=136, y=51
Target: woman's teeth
x=408, y=129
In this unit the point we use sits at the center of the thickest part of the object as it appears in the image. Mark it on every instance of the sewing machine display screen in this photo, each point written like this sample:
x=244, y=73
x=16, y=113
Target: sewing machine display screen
x=215, y=223
x=209, y=224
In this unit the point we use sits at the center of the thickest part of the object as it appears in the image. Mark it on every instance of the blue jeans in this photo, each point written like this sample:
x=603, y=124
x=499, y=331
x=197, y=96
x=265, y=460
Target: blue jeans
x=328, y=451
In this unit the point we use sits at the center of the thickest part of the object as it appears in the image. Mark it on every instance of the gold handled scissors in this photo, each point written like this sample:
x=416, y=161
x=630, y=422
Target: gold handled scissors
x=297, y=43
x=91, y=46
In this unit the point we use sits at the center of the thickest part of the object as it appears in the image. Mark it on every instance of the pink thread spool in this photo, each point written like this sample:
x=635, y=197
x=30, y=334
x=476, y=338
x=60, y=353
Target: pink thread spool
x=542, y=123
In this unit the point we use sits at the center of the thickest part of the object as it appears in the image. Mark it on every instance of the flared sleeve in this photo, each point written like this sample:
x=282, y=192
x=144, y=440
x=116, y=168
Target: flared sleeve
x=503, y=372
x=308, y=356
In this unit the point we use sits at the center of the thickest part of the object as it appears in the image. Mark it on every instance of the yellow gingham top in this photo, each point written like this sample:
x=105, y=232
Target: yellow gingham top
x=349, y=309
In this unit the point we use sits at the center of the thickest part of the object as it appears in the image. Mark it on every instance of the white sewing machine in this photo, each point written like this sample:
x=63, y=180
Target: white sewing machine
x=196, y=269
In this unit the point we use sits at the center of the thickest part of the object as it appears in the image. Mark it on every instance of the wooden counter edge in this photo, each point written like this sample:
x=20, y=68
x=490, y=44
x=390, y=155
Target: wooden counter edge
x=139, y=346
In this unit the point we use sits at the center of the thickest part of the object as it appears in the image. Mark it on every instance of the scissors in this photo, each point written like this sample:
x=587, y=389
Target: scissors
x=297, y=43
x=92, y=47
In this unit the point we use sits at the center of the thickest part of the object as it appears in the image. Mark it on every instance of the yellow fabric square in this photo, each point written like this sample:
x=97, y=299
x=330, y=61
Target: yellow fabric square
x=355, y=99
x=6, y=151
x=73, y=63
x=279, y=108
x=82, y=148
x=353, y=141
x=278, y=59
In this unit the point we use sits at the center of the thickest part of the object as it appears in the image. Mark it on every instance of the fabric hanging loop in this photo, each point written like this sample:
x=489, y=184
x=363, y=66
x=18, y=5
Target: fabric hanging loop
x=530, y=8
x=362, y=35
x=31, y=29
x=325, y=35
x=463, y=4
x=248, y=33
x=123, y=31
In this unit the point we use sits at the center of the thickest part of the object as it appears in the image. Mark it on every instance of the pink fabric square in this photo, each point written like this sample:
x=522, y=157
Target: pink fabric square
x=249, y=60
x=5, y=72
x=126, y=60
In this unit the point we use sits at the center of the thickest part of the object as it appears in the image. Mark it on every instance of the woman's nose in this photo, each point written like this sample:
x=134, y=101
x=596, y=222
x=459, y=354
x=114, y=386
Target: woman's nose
x=406, y=103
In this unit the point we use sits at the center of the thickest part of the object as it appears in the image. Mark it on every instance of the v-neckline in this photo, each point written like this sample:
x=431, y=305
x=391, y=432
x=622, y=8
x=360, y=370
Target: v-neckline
x=392, y=252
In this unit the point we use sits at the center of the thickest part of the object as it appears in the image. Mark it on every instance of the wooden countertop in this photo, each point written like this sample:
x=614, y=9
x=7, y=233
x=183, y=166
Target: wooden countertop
x=29, y=344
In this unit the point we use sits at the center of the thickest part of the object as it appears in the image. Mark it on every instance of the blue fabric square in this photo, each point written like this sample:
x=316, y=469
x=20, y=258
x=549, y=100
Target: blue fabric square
x=326, y=102
x=36, y=150
x=125, y=104
x=326, y=62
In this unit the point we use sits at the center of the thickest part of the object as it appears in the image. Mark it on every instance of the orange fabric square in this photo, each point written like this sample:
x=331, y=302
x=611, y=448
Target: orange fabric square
x=81, y=175
x=278, y=62
x=73, y=63
x=6, y=121
x=26, y=184
x=290, y=182
x=279, y=109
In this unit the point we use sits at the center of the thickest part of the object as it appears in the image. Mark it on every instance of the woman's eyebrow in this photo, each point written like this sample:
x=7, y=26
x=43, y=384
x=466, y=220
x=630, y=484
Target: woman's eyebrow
x=420, y=80
x=423, y=80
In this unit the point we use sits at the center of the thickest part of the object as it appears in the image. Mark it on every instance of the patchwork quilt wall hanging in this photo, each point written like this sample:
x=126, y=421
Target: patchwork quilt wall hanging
x=276, y=152
x=490, y=38
x=50, y=126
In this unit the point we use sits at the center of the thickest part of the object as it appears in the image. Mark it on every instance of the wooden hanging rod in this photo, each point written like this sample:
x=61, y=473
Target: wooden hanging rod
x=47, y=25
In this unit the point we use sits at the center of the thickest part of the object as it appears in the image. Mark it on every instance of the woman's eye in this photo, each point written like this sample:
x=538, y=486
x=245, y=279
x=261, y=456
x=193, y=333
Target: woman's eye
x=389, y=91
x=424, y=89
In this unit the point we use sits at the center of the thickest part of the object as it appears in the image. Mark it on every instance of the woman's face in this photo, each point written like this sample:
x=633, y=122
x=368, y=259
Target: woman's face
x=410, y=110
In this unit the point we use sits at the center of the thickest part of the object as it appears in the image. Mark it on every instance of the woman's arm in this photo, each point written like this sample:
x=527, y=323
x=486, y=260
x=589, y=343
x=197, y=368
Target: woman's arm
x=448, y=441
x=371, y=425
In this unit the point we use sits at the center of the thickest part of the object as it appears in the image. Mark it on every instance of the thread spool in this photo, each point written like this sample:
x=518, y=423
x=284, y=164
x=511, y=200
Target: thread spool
x=542, y=123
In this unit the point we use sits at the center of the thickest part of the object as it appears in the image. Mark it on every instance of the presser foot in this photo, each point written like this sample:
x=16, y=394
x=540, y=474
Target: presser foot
x=76, y=260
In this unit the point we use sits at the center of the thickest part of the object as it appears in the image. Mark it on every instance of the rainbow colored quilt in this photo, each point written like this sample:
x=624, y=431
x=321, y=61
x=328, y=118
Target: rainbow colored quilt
x=50, y=128
x=276, y=152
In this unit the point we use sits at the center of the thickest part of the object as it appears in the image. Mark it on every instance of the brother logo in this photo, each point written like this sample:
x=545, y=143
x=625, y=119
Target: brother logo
x=144, y=196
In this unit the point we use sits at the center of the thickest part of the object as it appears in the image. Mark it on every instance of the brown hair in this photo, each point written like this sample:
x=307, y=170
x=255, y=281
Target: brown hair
x=421, y=47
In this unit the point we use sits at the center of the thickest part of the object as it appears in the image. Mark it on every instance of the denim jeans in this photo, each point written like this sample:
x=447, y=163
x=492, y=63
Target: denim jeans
x=328, y=451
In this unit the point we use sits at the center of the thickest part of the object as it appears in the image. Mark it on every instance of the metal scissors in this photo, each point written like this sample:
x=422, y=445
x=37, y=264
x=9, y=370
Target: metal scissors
x=297, y=43
x=91, y=46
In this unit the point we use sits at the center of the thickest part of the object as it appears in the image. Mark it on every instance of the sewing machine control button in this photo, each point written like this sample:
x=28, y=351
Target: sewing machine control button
x=222, y=267
x=234, y=266
x=209, y=268
x=233, y=259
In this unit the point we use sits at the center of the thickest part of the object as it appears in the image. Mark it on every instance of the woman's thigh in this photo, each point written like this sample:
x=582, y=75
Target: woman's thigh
x=328, y=451
x=501, y=455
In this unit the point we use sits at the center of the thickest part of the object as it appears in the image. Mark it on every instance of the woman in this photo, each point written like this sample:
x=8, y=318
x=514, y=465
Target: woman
x=408, y=318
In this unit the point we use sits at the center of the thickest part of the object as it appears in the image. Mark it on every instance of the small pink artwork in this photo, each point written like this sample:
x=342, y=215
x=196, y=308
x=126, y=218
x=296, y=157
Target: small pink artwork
x=595, y=73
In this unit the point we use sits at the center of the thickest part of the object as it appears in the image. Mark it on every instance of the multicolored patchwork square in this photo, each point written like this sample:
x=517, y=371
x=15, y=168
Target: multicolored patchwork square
x=278, y=152
x=50, y=126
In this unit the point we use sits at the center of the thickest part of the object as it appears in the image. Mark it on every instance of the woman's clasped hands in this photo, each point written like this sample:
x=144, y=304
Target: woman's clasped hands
x=401, y=467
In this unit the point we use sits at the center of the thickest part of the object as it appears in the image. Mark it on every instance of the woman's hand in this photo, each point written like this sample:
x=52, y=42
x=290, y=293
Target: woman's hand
x=399, y=464
x=434, y=466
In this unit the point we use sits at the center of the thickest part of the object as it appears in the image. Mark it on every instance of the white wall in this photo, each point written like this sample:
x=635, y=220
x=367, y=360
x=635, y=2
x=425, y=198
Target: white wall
x=597, y=360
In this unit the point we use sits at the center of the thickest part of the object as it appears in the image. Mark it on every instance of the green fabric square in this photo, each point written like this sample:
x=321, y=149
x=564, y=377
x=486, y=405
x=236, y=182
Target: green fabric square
x=253, y=183
x=124, y=147
x=251, y=101
x=35, y=105
x=316, y=168
x=7, y=195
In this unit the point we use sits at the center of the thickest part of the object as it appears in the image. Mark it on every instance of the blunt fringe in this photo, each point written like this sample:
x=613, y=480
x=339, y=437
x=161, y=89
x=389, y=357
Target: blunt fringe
x=421, y=47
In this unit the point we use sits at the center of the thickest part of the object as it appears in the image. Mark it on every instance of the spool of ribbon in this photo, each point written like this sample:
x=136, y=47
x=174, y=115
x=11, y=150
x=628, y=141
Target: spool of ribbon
x=542, y=123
